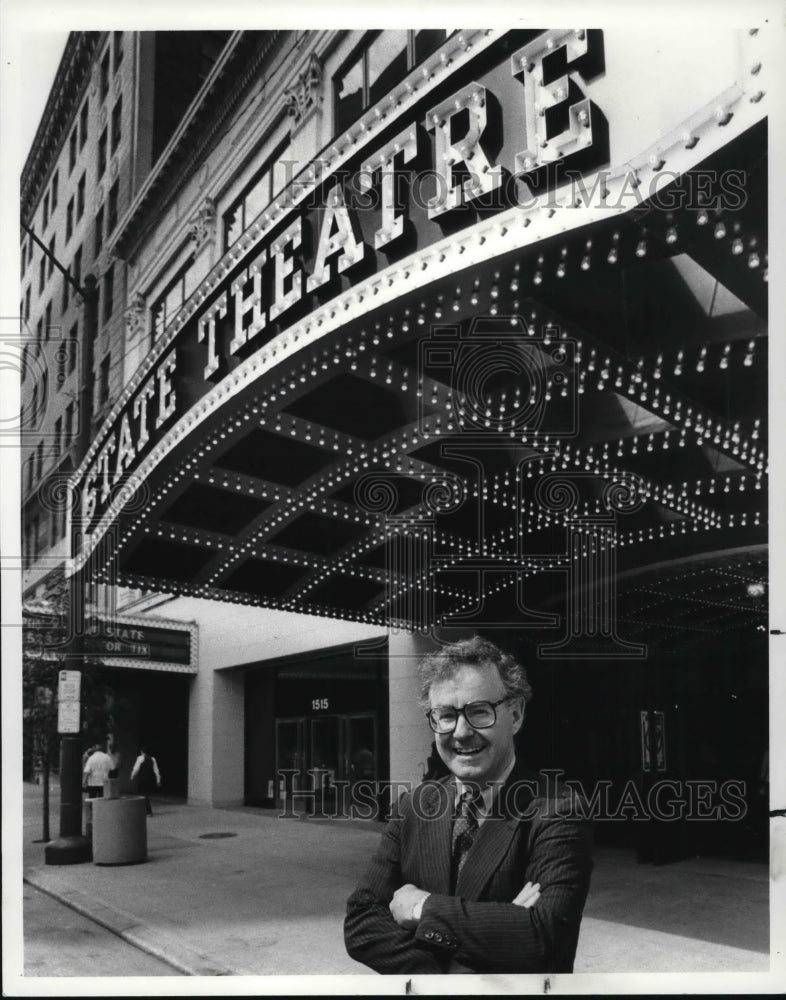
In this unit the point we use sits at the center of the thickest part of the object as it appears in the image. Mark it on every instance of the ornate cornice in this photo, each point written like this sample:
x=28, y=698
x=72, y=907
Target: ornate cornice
x=202, y=225
x=135, y=317
x=71, y=81
x=306, y=92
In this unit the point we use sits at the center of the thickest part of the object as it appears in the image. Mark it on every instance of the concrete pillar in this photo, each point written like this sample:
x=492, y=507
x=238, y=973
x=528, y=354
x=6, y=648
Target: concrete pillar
x=410, y=736
x=200, y=739
x=215, y=739
x=228, y=741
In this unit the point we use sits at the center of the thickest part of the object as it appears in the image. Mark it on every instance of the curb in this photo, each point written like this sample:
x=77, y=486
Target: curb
x=128, y=927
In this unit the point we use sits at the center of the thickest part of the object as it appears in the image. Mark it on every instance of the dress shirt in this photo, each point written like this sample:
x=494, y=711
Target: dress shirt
x=483, y=809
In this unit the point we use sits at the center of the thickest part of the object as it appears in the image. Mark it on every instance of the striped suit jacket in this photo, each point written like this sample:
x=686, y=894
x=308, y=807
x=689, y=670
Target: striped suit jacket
x=529, y=836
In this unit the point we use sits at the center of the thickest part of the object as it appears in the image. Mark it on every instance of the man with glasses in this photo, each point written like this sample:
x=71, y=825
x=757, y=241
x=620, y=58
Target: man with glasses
x=485, y=870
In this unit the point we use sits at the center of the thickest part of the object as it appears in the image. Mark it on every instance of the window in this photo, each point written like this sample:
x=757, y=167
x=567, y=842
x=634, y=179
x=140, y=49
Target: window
x=105, y=75
x=118, y=47
x=103, y=385
x=23, y=259
x=109, y=292
x=69, y=219
x=39, y=331
x=58, y=436
x=55, y=185
x=77, y=266
x=55, y=525
x=117, y=117
x=39, y=460
x=99, y=236
x=35, y=536
x=111, y=221
x=83, y=124
x=80, y=197
x=27, y=303
x=257, y=196
x=72, y=151
x=102, y=153
x=41, y=274
x=51, y=259
x=173, y=297
x=46, y=210
x=66, y=294
x=48, y=321
x=73, y=338
x=383, y=59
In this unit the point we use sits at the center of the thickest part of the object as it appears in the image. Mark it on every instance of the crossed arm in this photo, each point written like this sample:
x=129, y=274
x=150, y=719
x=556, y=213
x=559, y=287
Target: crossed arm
x=406, y=909
x=535, y=932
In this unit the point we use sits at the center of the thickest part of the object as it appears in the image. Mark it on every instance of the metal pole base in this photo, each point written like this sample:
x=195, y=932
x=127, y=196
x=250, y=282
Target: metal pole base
x=68, y=851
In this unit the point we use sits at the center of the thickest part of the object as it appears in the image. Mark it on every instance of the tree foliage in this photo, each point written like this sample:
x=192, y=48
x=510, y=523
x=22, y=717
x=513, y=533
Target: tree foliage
x=44, y=655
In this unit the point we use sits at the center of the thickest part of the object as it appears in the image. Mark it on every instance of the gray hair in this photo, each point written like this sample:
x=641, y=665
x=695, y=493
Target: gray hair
x=475, y=652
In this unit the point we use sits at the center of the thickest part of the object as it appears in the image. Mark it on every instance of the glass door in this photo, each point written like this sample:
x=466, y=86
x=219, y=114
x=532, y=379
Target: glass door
x=360, y=756
x=325, y=763
x=290, y=758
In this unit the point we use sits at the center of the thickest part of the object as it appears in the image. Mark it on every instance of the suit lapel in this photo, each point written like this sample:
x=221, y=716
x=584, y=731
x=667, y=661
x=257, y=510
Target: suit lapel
x=484, y=858
x=492, y=841
x=435, y=824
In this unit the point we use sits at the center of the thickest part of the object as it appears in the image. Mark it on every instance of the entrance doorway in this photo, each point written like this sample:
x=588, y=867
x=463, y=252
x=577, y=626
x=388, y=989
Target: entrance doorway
x=333, y=760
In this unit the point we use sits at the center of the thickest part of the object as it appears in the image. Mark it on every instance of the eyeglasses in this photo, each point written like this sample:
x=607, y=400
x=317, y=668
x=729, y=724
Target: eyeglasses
x=479, y=714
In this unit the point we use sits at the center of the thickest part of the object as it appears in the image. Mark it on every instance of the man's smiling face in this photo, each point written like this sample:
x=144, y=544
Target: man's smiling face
x=479, y=755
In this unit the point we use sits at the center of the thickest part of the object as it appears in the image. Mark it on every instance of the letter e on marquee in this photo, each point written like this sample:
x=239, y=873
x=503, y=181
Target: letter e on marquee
x=540, y=97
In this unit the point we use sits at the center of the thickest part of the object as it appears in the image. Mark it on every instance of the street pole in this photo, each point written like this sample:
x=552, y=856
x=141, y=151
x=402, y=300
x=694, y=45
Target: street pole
x=72, y=847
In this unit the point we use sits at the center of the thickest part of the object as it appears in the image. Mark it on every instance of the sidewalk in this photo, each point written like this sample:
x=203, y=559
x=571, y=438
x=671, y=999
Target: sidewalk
x=269, y=898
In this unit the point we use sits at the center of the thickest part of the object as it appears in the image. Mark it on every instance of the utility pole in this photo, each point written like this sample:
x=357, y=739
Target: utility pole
x=71, y=847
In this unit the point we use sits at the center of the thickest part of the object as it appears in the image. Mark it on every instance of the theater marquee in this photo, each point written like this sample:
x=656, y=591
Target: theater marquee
x=507, y=145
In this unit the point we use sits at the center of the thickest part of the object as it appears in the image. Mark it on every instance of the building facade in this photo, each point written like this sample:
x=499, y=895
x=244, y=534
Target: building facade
x=416, y=334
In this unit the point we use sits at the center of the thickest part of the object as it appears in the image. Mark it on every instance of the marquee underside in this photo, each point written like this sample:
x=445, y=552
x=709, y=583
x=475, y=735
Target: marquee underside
x=617, y=356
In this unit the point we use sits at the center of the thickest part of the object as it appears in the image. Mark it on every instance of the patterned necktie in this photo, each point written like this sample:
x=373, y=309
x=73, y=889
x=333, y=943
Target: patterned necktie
x=465, y=827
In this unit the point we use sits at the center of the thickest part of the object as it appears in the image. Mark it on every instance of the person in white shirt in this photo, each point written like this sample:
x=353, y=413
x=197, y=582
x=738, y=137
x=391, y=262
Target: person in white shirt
x=96, y=771
x=145, y=769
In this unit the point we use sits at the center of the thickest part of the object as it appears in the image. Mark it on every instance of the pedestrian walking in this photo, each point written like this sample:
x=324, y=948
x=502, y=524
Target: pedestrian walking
x=96, y=771
x=145, y=770
x=115, y=763
x=89, y=752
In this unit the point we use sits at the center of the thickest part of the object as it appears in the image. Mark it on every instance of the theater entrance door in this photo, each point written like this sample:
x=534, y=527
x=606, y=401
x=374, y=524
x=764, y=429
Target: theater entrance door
x=331, y=759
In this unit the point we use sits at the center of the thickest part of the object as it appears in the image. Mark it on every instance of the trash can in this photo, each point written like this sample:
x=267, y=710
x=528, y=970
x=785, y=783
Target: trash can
x=119, y=831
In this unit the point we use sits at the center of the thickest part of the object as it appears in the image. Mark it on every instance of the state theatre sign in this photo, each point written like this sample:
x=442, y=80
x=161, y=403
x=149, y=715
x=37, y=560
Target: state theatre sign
x=506, y=145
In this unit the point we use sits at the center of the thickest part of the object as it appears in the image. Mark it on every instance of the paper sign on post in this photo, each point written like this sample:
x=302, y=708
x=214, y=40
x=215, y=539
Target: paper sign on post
x=68, y=717
x=69, y=690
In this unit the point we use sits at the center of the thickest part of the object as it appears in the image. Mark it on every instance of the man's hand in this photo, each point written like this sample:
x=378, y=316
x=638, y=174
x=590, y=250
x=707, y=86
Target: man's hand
x=404, y=902
x=528, y=896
